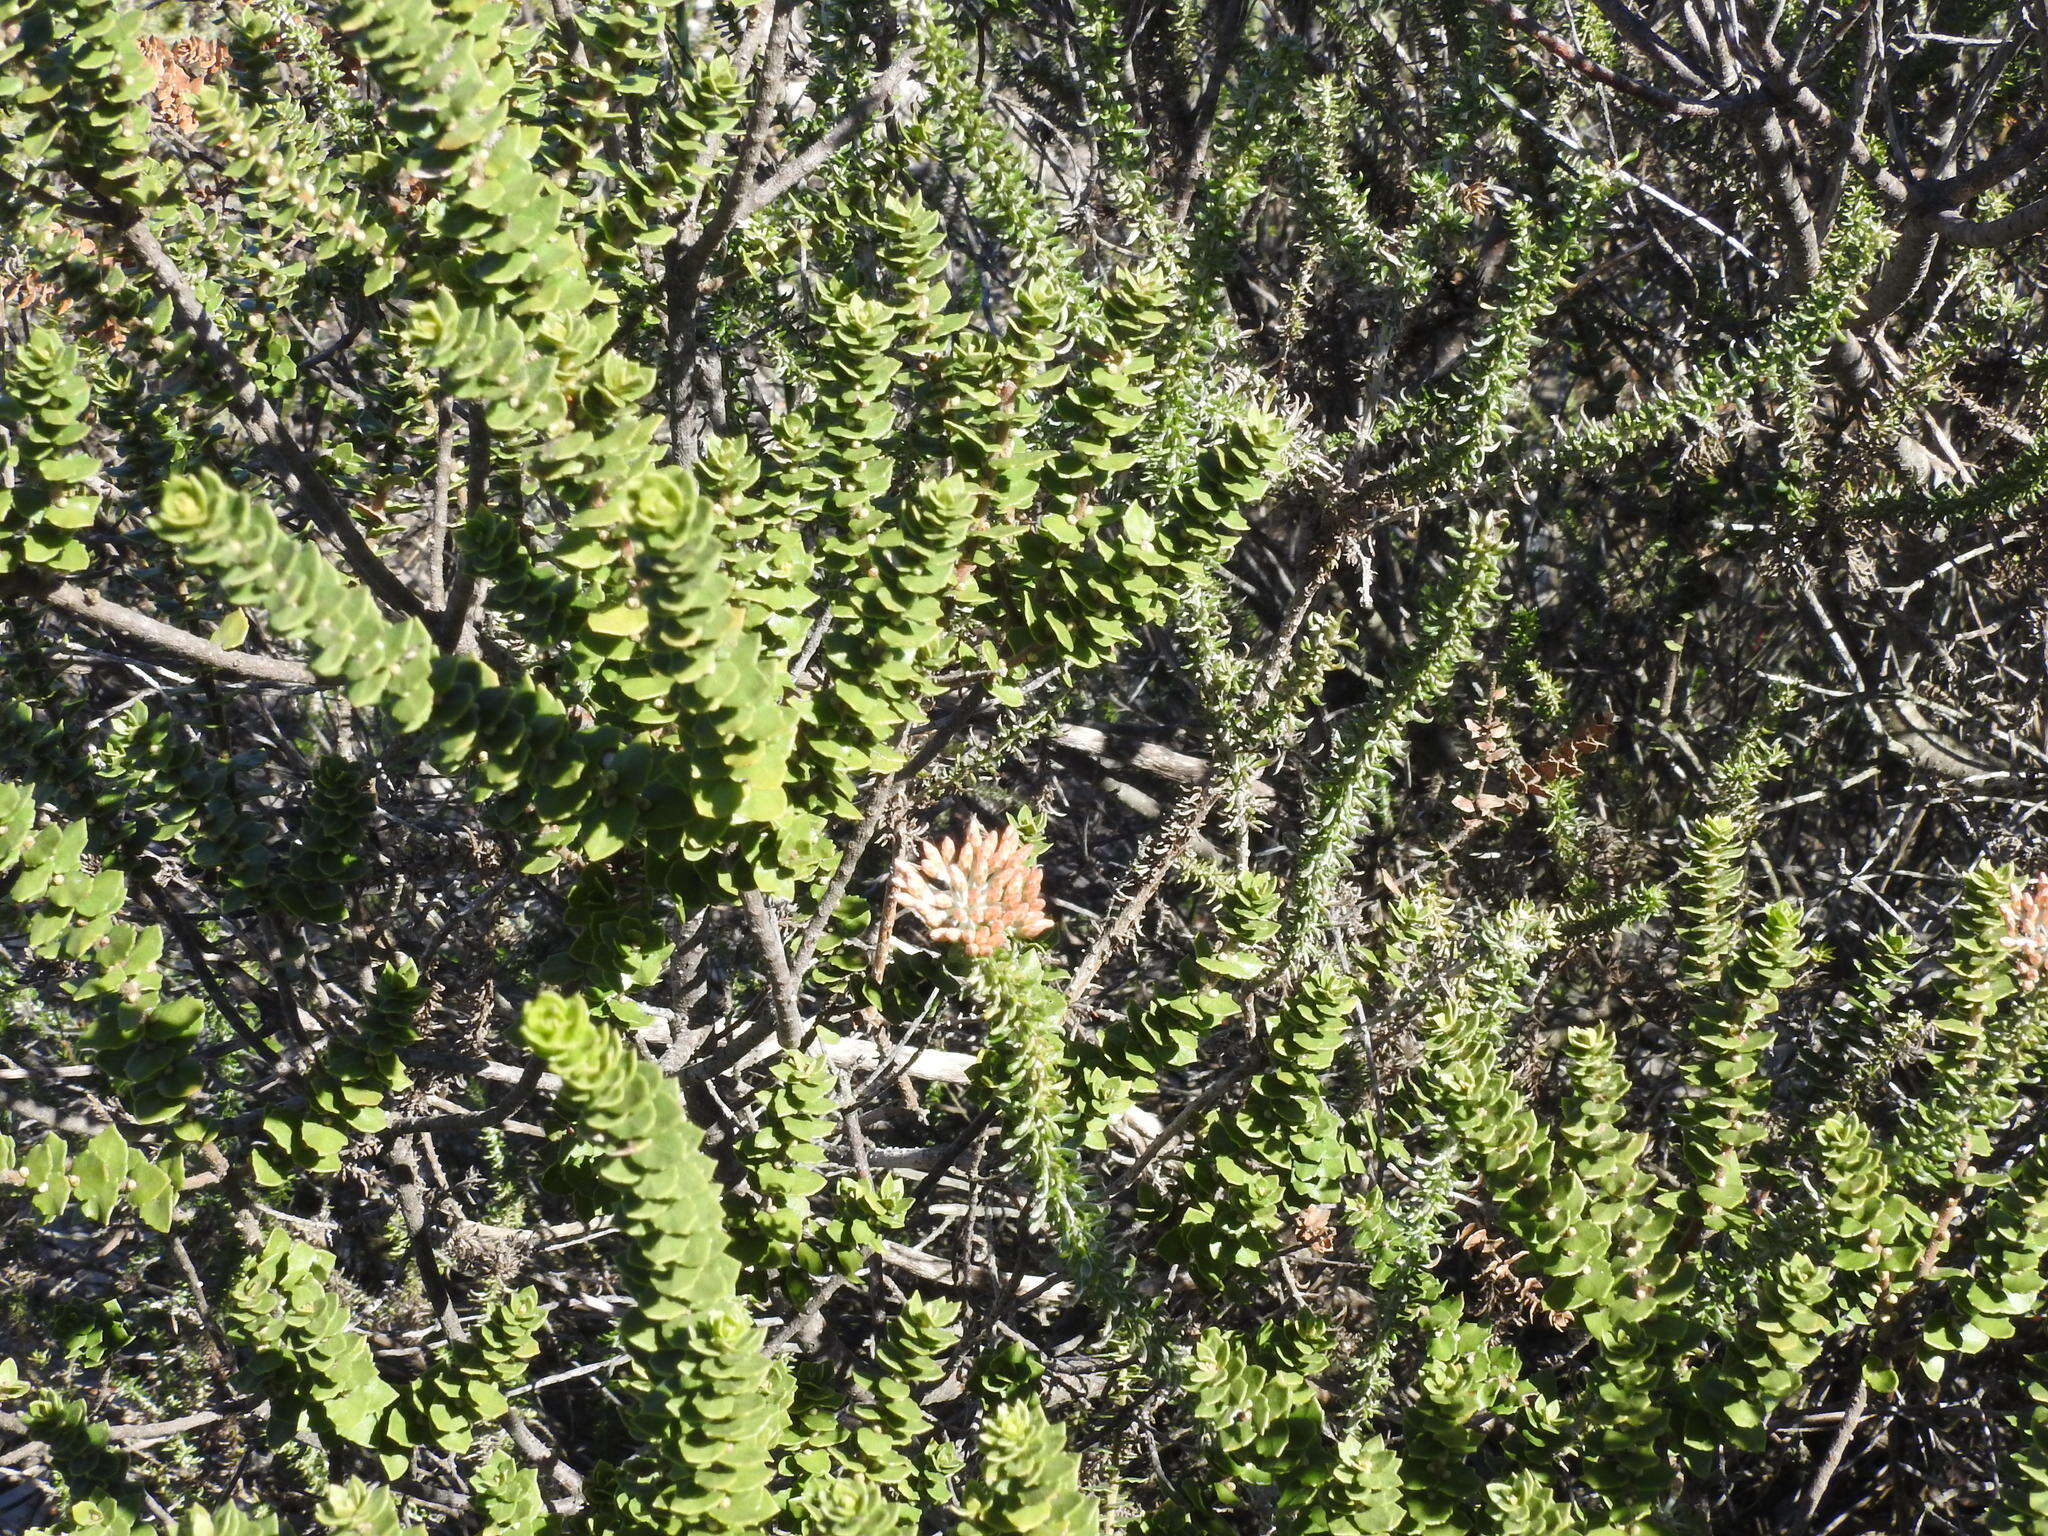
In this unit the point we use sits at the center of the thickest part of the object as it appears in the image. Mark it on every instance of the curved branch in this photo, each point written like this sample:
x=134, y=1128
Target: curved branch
x=828, y=143
x=2017, y=154
x=1988, y=234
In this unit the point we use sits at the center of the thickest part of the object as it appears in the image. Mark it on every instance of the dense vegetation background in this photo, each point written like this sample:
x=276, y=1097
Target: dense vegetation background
x=1032, y=766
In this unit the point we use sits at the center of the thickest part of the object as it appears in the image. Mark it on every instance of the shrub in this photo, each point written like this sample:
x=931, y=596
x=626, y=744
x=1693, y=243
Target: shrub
x=810, y=769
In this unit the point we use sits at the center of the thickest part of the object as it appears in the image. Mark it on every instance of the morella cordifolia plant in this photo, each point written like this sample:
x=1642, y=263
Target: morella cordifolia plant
x=973, y=767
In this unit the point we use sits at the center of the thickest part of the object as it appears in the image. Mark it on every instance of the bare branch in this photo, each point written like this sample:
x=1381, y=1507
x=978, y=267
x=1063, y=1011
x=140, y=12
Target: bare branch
x=1593, y=69
x=2023, y=223
x=830, y=142
x=789, y=1021
x=130, y=624
x=1631, y=25
x=689, y=256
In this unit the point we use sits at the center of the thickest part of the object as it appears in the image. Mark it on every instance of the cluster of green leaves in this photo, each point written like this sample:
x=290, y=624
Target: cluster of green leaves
x=1278, y=1153
x=101, y=1177
x=345, y=1089
x=314, y=1368
x=44, y=408
x=714, y=1411
x=71, y=912
x=1707, y=1261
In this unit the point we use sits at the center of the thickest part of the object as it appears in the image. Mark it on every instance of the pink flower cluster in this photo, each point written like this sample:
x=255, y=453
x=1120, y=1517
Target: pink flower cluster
x=976, y=893
x=2026, y=932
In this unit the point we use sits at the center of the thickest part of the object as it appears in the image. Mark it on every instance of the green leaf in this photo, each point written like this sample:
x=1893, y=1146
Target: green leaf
x=232, y=630
x=154, y=1197
x=101, y=1170
x=45, y=1171
x=627, y=620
